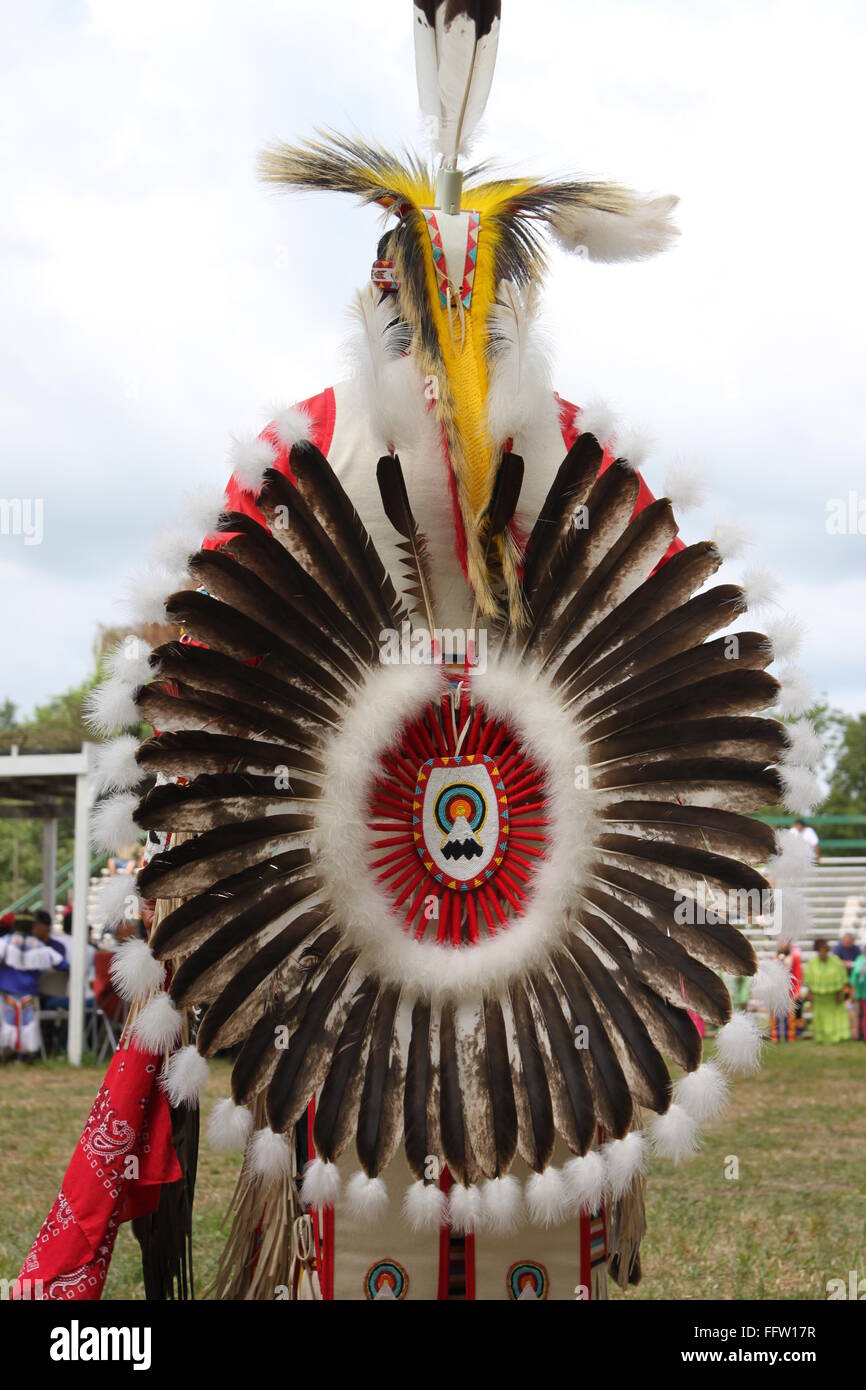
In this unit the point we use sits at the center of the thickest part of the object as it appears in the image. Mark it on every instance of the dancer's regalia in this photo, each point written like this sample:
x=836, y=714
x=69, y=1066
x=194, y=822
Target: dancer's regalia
x=450, y=761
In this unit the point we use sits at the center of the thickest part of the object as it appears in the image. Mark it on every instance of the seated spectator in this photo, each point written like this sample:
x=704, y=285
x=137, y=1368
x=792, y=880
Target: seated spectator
x=24, y=954
x=825, y=979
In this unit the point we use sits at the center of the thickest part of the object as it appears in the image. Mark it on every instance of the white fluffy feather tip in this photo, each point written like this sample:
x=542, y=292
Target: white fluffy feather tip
x=625, y=1160
x=184, y=1077
x=321, y=1184
x=424, y=1207
x=229, y=1126
x=547, y=1197
x=674, y=1135
x=135, y=972
x=702, y=1093
x=367, y=1198
x=738, y=1045
x=503, y=1204
x=464, y=1209
x=158, y=1025
x=772, y=985
x=585, y=1180
x=270, y=1157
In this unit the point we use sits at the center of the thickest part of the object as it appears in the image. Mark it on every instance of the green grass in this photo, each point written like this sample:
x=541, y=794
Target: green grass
x=796, y=1215
x=794, y=1218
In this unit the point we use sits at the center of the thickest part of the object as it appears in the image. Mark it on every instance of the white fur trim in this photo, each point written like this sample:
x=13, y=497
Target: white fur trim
x=249, y=456
x=503, y=1204
x=585, y=1180
x=598, y=418
x=270, y=1157
x=135, y=972
x=801, y=789
x=547, y=1197
x=760, y=589
x=201, y=509
x=114, y=766
x=642, y=228
x=792, y=863
x=686, y=486
x=625, y=1160
x=158, y=1025
x=785, y=635
x=791, y=914
x=321, y=1184
x=367, y=1198
x=116, y=900
x=352, y=757
x=129, y=662
x=634, y=446
x=112, y=826
x=703, y=1093
x=796, y=695
x=147, y=593
x=464, y=1208
x=424, y=1207
x=185, y=1076
x=110, y=706
x=674, y=1134
x=738, y=1044
x=229, y=1126
x=772, y=985
x=292, y=425
x=731, y=539
x=805, y=745
x=171, y=549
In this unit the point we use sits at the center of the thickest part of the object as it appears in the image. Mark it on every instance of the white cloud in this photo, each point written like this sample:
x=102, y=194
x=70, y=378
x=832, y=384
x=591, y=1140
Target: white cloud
x=157, y=298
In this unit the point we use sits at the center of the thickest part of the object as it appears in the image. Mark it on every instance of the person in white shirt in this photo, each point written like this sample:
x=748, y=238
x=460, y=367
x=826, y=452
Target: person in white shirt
x=810, y=836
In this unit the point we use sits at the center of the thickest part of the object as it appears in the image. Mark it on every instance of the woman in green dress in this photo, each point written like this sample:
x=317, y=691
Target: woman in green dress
x=825, y=978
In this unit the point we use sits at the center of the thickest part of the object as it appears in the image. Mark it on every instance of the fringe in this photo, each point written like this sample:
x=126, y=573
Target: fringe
x=627, y=1227
x=269, y=1253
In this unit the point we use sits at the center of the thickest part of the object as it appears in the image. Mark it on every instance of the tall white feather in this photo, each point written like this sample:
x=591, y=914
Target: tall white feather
x=520, y=383
x=454, y=68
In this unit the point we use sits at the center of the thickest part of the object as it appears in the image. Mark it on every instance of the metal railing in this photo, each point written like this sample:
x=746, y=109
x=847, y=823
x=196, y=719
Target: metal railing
x=62, y=886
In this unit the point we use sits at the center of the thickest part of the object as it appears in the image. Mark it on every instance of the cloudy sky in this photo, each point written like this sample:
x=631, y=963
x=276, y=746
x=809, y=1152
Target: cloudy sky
x=154, y=297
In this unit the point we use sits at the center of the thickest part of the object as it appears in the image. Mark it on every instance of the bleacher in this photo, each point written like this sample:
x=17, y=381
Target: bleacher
x=836, y=894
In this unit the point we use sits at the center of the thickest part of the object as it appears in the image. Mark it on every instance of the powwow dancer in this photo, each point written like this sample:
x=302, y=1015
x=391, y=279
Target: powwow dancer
x=448, y=739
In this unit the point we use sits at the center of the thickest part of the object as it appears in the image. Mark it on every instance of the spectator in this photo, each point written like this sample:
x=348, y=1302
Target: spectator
x=825, y=979
x=125, y=861
x=858, y=987
x=808, y=836
x=24, y=954
x=785, y=1025
x=846, y=948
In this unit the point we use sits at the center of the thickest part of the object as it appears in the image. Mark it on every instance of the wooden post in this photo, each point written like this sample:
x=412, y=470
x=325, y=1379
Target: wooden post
x=80, y=892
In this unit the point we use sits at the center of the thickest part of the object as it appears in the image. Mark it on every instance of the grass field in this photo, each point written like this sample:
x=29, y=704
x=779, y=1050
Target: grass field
x=794, y=1218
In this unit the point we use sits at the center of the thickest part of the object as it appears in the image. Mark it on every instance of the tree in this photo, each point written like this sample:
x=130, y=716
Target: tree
x=847, y=795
